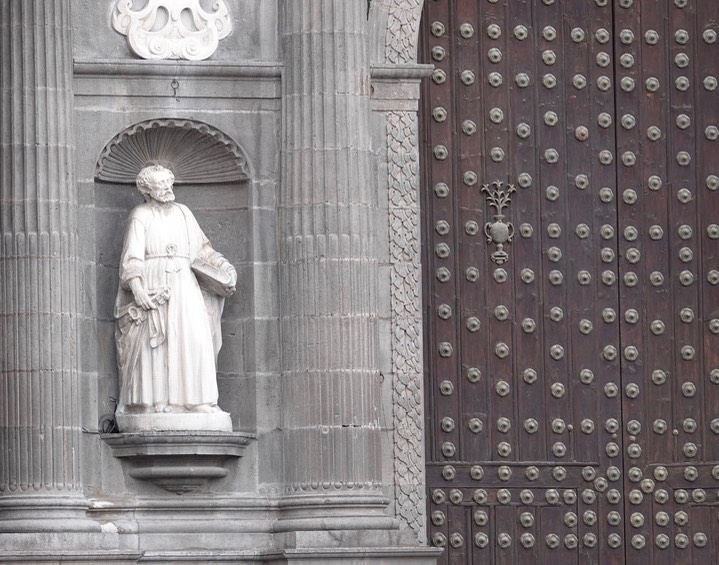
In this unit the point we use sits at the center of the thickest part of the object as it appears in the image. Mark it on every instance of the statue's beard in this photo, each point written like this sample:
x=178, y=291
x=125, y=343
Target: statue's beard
x=166, y=197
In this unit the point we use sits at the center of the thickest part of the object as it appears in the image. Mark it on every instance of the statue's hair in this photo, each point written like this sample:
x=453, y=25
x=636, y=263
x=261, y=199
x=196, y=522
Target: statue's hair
x=143, y=177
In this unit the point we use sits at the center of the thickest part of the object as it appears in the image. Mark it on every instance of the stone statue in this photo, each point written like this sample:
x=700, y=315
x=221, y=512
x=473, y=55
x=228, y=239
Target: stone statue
x=168, y=307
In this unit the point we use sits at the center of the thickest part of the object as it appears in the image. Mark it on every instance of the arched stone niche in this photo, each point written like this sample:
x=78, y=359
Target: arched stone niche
x=213, y=178
x=196, y=152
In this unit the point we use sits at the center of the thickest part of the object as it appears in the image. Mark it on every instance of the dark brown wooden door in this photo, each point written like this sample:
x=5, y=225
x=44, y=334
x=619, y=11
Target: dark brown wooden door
x=571, y=280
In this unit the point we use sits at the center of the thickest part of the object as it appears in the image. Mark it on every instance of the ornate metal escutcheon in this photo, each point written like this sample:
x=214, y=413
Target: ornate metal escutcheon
x=499, y=232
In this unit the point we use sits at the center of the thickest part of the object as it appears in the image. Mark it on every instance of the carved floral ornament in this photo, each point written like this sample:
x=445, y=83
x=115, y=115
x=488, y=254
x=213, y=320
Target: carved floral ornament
x=172, y=29
x=499, y=232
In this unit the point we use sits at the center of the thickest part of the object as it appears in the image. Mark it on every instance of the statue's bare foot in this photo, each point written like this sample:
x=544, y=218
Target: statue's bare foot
x=206, y=408
x=162, y=407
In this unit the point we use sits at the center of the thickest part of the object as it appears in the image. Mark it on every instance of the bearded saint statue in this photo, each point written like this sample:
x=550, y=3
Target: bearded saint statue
x=171, y=295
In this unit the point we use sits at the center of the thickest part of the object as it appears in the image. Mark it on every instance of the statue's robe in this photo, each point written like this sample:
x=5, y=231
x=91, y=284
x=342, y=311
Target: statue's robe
x=168, y=355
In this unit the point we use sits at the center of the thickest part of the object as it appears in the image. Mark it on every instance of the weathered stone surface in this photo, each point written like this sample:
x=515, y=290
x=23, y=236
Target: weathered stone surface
x=178, y=462
x=40, y=419
x=186, y=421
x=328, y=255
x=320, y=341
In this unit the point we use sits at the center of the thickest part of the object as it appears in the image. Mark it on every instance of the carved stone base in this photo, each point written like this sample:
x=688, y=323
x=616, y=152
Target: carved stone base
x=72, y=557
x=178, y=462
x=185, y=421
x=373, y=556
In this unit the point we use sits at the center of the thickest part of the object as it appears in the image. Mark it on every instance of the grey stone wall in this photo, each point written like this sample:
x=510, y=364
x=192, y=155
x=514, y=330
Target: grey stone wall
x=364, y=392
x=237, y=91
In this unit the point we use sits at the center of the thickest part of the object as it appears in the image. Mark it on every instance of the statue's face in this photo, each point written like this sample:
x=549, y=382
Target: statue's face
x=161, y=186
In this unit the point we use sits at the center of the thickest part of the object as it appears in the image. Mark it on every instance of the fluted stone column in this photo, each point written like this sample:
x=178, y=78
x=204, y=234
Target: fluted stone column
x=331, y=436
x=40, y=475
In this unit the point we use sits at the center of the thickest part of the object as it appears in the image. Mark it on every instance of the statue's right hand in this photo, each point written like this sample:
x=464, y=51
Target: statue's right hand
x=143, y=299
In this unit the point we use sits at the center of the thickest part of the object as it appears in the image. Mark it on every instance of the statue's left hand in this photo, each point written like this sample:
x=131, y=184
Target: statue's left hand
x=231, y=288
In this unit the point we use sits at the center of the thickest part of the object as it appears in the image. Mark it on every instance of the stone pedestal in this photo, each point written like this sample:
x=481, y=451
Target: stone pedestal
x=159, y=422
x=178, y=461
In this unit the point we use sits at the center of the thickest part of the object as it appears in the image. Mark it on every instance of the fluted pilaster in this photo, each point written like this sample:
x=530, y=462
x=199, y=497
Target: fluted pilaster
x=328, y=253
x=39, y=394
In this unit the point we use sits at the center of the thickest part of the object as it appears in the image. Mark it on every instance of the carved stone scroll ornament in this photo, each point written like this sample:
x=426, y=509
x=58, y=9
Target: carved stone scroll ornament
x=499, y=232
x=172, y=29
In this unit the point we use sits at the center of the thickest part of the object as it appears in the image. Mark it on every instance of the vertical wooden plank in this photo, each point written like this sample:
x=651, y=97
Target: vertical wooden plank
x=457, y=527
x=505, y=538
x=631, y=203
x=441, y=342
x=701, y=523
x=529, y=542
x=482, y=546
x=683, y=253
x=685, y=157
x=588, y=516
x=706, y=75
x=606, y=487
x=662, y=532
x=437, y=199
x=555, y=368
x=583, y=279
x=612, y=523
x=660, y=311
x=497, y=55
x=472, y=246
x=438, y=523
x=681, y=540
x=554, y=532
x=526, y=97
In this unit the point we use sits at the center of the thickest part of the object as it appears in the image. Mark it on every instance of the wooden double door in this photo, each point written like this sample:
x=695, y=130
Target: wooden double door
x=571, y=280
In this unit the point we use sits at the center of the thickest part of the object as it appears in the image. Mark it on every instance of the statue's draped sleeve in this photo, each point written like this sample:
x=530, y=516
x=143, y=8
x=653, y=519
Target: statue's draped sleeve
x=132, y=262
x=201, y=248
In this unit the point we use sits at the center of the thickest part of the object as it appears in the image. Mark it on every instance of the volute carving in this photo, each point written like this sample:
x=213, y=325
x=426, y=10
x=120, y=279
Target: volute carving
x=172, y=29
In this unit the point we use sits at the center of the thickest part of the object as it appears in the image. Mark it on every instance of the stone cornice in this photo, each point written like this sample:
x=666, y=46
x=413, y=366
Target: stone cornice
x=248, y=69
x=401, y=72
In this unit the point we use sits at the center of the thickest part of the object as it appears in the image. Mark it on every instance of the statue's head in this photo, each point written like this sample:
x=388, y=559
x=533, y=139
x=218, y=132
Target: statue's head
x=155, y=181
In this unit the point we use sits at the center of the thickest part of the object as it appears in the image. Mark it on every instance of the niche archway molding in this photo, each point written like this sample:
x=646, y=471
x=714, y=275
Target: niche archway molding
x=196, y=152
